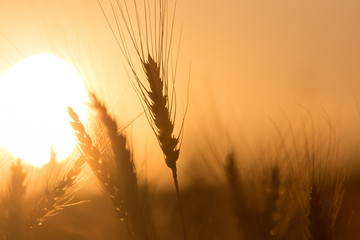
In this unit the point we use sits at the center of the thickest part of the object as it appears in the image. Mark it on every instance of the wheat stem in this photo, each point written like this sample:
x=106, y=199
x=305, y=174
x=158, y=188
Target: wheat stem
x=179, y=203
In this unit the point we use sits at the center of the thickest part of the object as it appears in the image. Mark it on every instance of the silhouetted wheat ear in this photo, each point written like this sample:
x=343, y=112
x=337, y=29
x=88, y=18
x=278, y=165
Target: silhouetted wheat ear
x=245, y=218
x=58, y=197
x=271, y=214
x=152, y=52
x=119, y=182
x=161, y=122
x=99, y=168
x=15, y=227
x=319, y=227
x=139, y=219
x=122, y=155
x=152, y=43
x=160, y=115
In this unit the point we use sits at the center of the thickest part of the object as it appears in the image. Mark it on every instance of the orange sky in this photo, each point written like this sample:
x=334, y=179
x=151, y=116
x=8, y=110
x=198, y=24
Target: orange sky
x=249, y=59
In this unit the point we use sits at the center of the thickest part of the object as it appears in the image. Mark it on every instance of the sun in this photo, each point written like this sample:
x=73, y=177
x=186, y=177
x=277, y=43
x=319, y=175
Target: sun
x=34, y=95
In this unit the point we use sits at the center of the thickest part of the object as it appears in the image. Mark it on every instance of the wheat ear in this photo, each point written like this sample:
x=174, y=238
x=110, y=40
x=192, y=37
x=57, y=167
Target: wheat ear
x=15, y=228
x=245, y=218
x=319, y=227
x=152, y=53
x=160, y=115
x=271, y=212
x=163, y=126
x=122, y=192
x=139, y=218
x=92, y=157
x=60, y=196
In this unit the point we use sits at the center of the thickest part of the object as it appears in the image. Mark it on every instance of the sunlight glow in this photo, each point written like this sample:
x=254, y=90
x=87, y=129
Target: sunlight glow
x=34, y=95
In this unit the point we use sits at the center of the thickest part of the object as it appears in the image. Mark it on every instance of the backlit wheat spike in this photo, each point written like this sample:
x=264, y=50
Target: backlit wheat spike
x=58, y=197
x=319, y=227
x=151, y=41
x=123, y=157
x=100, y=169
x=15, y=225
x=160, y=115
x=153, y=77
x=271, y=213
x=245, y=219
x=120, y=181
x=138, y=217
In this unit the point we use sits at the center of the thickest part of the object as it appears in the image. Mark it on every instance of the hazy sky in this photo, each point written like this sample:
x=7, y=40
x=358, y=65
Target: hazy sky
x=250, y=59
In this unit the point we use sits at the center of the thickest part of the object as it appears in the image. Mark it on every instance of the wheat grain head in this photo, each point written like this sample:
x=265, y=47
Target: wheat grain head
x=15, y=212
x=139, y=218
x=58, y=197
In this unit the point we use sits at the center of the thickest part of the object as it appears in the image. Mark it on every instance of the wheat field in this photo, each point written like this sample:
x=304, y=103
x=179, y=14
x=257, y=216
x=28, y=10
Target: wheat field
x=164, y=151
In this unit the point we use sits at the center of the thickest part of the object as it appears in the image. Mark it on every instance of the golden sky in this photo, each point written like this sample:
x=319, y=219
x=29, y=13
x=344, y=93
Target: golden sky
x=249, y=59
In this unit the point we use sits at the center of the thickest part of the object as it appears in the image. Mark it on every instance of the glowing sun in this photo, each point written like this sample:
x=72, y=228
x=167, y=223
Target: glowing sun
x=34, y=95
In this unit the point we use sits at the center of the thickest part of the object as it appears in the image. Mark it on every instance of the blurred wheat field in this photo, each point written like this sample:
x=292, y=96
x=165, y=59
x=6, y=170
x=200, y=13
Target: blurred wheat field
x=205, y=120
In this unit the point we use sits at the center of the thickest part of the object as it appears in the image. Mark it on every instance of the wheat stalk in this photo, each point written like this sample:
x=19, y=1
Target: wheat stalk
x=153, y=50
